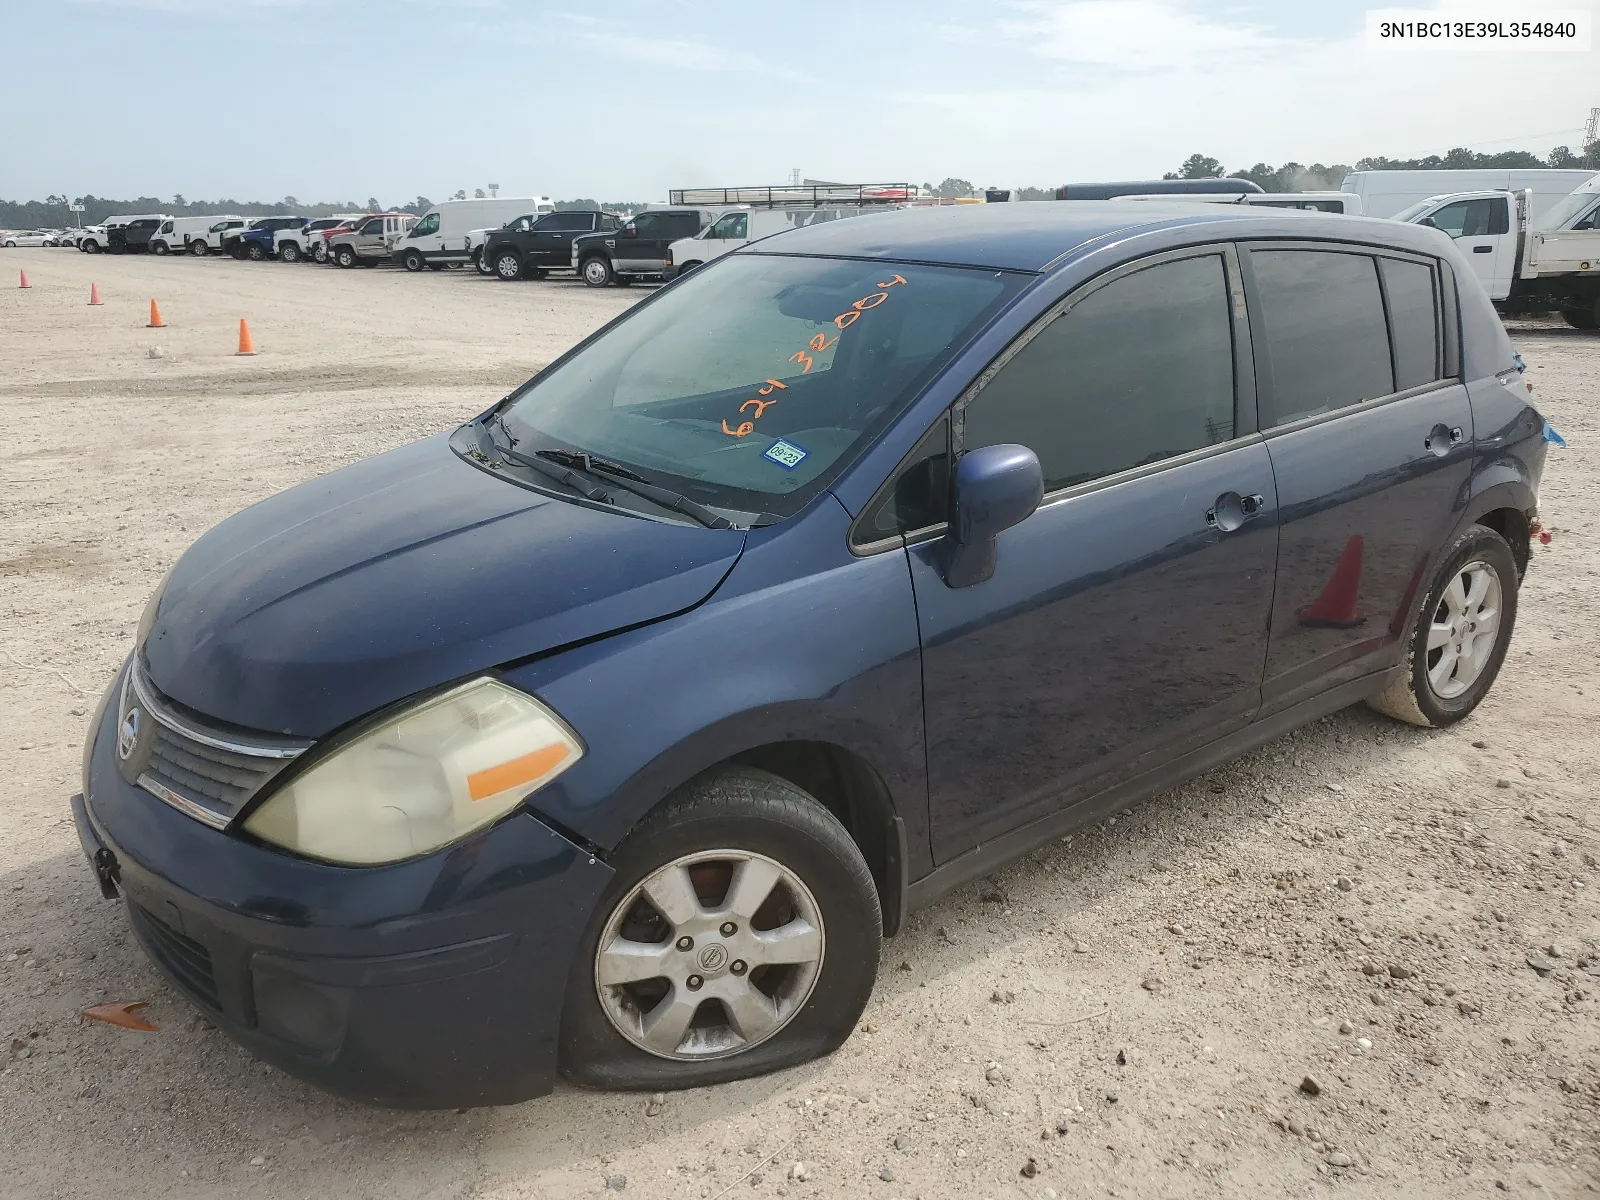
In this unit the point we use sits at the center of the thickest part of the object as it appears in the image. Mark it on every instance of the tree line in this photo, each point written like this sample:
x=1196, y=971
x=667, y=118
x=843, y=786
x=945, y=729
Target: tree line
x=52, y=211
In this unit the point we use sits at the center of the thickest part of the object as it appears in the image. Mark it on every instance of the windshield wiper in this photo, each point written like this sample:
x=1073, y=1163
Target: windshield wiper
x=632, y=481
x=549, y=470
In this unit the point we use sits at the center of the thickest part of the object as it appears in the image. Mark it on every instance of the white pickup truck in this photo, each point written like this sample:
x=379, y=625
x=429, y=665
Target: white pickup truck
x=1527, y=266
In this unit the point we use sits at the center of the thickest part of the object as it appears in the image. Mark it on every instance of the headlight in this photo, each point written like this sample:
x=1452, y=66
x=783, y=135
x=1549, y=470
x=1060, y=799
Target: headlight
x=421, y=780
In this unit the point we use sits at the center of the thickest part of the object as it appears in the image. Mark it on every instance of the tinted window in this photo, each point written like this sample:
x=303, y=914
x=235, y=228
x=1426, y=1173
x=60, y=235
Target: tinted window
x=1465, y=218
x=647, y=224
x=1324, y=332
x=1137, y=371
x=373, y=226
x=568, y=221
x=682, y=224
x=428, y=224
x=1413, y=318
x=918, y=496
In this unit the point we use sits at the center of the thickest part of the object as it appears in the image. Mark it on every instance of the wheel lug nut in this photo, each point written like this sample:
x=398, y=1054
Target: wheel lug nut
x=729, y=929
x=738, y=967
x=694, y=982
x=686, y=943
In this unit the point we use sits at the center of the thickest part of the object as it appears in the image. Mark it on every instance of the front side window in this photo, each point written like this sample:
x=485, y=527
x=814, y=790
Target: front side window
x=646, y=224
x=1324, y=332
x=1414, y=319
x=373, y=227
x=753, y=382
x=731, y=225
x=1464, y=218
x=1139, y=370
x=428, y=224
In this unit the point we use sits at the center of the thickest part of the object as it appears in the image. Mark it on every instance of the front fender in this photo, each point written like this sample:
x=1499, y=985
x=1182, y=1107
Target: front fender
x=803, y=642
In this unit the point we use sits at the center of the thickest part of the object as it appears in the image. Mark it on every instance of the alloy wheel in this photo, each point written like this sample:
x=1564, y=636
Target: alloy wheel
x=710, y=955
x=1465, y=626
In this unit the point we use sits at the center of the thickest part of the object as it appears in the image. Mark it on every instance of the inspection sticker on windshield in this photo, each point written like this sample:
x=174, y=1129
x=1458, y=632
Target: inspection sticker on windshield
x=786, y=454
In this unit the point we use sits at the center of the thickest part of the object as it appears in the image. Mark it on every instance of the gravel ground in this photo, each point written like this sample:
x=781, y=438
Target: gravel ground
x=1409, y=918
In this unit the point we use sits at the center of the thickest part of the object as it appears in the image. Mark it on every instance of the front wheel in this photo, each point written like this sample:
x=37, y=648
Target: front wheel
x=345, y=257
x=1460, y=634
x=507, y=265
x=739, y=934
x=289, y=252
x=596, y=271
x=412, y=260
x=256, y=252
x=160, y=248
x=90, y=246
x=320, y=253
x=481, y=263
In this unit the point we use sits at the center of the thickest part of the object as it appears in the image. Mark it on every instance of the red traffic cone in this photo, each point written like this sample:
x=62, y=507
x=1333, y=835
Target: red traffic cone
x=155, y=317
x=94, y=294
x=1336, y=607
x=24, y=282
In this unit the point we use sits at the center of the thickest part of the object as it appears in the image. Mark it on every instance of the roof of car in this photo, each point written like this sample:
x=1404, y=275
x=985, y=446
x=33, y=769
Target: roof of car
x=1030, y=235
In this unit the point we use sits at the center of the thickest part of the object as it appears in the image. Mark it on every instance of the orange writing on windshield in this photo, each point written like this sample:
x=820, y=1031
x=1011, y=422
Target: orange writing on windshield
x=819, y=342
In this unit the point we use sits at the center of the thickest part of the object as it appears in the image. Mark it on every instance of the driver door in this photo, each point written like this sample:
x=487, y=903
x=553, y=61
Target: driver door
x=1477, y=225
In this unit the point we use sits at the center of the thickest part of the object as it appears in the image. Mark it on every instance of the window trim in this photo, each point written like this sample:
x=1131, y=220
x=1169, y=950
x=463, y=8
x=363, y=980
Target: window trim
x=1245, y=420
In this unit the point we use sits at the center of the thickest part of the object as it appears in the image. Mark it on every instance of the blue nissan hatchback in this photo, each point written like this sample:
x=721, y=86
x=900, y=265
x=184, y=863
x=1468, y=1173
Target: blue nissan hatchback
x=610, y=733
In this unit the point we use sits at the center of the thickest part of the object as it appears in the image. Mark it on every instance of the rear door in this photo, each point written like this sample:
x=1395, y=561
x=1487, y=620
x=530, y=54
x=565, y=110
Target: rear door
x=1126, y=621
x=1370, y=434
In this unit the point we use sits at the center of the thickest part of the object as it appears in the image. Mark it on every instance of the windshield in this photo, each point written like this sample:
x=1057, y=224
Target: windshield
x=753, y=382
x=1412, y=212
x=1568, y=208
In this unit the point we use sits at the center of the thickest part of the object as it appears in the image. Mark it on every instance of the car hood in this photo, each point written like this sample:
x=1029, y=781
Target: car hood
x=398, y=574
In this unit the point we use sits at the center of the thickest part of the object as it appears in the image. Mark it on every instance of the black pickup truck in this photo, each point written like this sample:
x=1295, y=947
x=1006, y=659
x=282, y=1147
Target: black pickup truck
x=133, y=237
x=528, y=247
x=639, y=248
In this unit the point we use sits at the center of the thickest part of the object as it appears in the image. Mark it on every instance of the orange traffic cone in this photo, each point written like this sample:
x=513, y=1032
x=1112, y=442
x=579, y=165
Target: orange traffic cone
x=246, y=346
x=155, y=317
x=1336, y=607
x=24, y=282
x=94, y=293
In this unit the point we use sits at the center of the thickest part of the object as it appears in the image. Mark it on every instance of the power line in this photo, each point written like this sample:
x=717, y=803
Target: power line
x=1525, y=137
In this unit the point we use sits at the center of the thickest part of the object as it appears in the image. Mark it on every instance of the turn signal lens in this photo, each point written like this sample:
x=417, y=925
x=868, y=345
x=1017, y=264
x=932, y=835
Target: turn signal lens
x=421, y=780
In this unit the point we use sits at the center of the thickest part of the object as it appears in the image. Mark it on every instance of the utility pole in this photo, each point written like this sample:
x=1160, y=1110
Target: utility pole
x=794, y=175
x=1591, y=131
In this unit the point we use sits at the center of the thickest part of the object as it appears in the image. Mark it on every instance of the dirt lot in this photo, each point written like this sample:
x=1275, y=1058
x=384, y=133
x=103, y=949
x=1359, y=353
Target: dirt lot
x=1128, y=1013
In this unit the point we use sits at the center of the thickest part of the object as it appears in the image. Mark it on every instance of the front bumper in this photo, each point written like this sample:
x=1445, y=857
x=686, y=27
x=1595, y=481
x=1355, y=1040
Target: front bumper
x=434, y=983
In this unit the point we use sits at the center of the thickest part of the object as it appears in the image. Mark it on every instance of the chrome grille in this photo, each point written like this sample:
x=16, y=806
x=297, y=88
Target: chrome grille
x=206, y=773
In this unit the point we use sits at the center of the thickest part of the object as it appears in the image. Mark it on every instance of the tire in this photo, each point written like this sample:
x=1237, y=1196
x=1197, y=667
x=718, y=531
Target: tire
x=11, y=245
x=412, y=260
x=480, y=264
x=320, y=252
x=160, y=248
x=737, y=815
x=90, y=246
x=1583, y=318
x=1427, y=691
x=345, y=257
x=437, y=266
x=687, y=267
x=596, y=271
x=198, y=248
x=289, y=252
x=507, y=265
x=256, y=252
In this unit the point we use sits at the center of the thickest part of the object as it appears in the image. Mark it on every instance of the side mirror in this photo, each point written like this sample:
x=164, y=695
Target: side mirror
x=630, y=231
x=994, y=488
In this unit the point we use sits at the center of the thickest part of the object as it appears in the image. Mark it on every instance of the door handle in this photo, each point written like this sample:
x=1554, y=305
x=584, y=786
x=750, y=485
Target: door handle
x=1232, y=510
x=1482, y=249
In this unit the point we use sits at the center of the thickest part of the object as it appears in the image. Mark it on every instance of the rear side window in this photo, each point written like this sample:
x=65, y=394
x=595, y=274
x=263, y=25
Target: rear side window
x=686, y=225
x=1325, y=334
x=569, y=222
x=1137, y=371
x=1414, y=319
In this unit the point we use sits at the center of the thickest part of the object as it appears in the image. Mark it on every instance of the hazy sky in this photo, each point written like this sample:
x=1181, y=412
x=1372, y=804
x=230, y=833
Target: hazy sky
x=337, y=100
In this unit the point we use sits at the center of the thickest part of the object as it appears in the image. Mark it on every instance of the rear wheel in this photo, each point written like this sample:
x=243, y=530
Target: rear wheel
x=345, y=257
x=740, y=934
x=412, y=260
x=1459, y=635
x=198, y=248
x=596, y=271
x=290, y=252
x=1583, y=318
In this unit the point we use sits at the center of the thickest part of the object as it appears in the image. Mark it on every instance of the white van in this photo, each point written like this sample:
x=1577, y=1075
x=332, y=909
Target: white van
x=187, y=235
x=1385, y=193
x=442, y=235
x=741, y=226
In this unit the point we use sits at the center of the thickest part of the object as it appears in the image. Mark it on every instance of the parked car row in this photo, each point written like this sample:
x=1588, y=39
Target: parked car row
x=32, y=239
